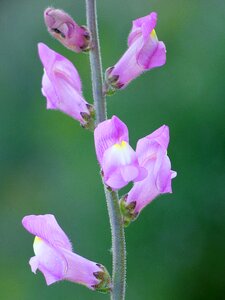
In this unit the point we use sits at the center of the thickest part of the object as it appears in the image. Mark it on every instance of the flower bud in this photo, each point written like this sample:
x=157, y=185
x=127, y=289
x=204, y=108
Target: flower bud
x=62, y=27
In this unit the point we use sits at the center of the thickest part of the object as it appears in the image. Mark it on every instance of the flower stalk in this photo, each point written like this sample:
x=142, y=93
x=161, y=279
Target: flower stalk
x=96, y=63
x=118, y=246
x=116, y=223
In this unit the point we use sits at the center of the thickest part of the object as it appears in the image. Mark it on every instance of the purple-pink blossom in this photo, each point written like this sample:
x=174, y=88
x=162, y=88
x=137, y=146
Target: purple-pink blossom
x=61, y=85
x=152, y=155
x=144, y=52
x=55, y=258
x=61, y=26
x=118, y=160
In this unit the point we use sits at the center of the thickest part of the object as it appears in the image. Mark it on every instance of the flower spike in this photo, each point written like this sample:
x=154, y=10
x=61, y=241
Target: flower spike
x=118, y=160
x=62, y=27
x=61, y=85
x=144, y=53
x=152, y=155
x=55, y=258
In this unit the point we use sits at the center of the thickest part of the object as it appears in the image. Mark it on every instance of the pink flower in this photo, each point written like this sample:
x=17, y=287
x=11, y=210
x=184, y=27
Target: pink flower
x=61, y=85
x=118, y=160
x=152, y=155
x=144, y=53
x=55, y=258
x=61, y=26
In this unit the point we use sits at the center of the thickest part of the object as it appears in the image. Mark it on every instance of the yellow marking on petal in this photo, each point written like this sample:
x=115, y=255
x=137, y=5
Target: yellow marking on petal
x=37, y=239
x=153, y=34
x=121, y=145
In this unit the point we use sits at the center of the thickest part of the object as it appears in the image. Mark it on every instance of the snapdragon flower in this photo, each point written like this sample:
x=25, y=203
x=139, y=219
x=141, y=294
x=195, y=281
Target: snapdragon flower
x=144, y=52
x=62, y=27
x=55, y=258
x=118, y=160
x=61, y=85
x=152, y=155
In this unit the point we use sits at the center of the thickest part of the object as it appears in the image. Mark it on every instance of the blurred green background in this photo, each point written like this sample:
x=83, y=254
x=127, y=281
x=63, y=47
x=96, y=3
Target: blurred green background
x=176, y=249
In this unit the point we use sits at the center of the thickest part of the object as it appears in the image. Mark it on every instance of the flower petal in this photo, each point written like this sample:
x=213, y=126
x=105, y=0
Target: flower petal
x=127, y=68
x=107, y=134
x=55, y=259
x=143, y=25
x=147, y=51
x=157, y=59
x=34, y=264
x=54, y=62
x=49, y=92
x=47, y=228
x=129, y=173
x=49, y=261
x=61, y=85
x=145, y=191
x=144, y=53
x=72, y=103
x=148, y=146
x=80, y=269
x=49, y=277
x=61, y=26
x=152, y=155
x=120, y=166
x=163, y=176
x=115, y=179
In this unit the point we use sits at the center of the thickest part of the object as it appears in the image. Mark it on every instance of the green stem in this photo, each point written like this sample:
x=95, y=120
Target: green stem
x=96, y=63
x=117, y=228
x=118, y=246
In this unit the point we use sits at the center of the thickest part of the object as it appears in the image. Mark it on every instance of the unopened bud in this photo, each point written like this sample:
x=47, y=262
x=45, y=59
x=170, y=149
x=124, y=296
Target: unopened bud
x=62, y=27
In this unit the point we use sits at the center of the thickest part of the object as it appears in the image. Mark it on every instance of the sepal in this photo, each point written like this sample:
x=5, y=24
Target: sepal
x=104, y=285
x=87, y=46
x=89, y=118
x=112, y=81
x=63, y=28
x=127, y=211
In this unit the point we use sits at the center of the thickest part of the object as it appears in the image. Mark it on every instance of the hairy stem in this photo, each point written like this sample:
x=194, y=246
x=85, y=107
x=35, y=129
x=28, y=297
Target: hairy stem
x=95, y=62
x=118, y=246
x=117, y=228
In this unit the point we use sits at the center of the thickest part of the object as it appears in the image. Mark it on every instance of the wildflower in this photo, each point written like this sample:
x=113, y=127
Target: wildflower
x=152, y=155
x=118, y=160
x=62, y=27
x=55, y=258
x=61, y=85
x=144, y=52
